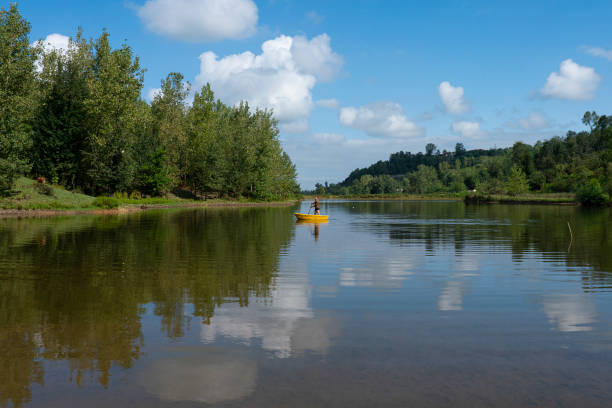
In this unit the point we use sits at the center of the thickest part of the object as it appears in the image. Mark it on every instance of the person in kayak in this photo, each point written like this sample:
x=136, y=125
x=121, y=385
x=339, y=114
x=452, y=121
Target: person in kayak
x=315, y=204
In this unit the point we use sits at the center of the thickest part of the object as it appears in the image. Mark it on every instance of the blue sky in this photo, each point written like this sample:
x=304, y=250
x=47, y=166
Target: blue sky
x=354, y=81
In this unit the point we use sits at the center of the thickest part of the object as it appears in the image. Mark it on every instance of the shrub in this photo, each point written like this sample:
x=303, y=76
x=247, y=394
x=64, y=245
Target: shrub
x=517, y=182
x=592, y=194
x=44, y=188
x=106, y=202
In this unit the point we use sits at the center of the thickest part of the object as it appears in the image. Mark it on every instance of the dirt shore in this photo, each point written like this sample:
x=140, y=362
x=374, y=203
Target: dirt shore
x=13, y=213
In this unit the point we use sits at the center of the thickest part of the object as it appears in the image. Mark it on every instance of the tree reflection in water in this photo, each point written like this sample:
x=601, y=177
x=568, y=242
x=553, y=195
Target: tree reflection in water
x=74, y=289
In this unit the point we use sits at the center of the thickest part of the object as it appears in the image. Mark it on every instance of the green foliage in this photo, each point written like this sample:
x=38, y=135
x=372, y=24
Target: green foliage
x=558, y=165
x=61, y=123
x=17, y=101
x=517, y=182
x=424, y=180
x=106, y=202
x=152, y=178
x=91, y=131
x=592, y=194
x=43, y=188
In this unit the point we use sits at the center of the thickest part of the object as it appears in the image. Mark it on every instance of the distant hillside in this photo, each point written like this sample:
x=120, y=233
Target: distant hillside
x=402, y=162
x=579, y=162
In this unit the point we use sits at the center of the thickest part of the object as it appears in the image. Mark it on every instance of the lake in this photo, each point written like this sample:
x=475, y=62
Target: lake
x=391, y=303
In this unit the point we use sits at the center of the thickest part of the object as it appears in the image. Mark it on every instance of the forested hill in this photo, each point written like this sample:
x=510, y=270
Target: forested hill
x=579, y=162
x=405, y=162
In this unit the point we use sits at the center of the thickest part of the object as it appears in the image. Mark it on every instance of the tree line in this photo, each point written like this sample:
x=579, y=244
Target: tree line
x=77, y=118
x=579, y=162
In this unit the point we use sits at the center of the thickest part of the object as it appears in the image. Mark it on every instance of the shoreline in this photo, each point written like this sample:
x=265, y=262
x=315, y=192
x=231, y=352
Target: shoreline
x=133, y=208
x=468, y=199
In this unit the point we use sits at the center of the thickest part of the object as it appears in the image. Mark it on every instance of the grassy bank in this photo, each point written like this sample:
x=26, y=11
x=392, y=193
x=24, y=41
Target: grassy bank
x=473, y=198
x=531, y=198
x=395, y=196
x=32, y=198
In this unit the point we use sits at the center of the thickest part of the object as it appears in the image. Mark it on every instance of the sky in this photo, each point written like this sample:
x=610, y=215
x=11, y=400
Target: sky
x=353, y=81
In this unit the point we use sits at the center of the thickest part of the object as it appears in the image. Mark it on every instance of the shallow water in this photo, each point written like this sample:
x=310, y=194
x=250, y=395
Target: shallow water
x=389, y=304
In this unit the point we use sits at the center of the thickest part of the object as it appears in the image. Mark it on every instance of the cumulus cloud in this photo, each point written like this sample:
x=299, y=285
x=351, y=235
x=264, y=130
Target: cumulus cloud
x=296, y=126
x=329, y=103
x=316, y=57
x=55, y=42
x=599, y=52
x=534, y=121
x=573, y=81
x=452, y=98
x=328, y=138
x=200, y=20
x=280, y=78
x=153, y=92
x=467, y=129
x=381, y=119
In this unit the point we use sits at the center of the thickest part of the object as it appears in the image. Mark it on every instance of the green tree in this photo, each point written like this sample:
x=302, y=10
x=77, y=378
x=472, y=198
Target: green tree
x=62, y=123
x=152, y=175
x=430, y=148
x=114, y=86
x=517, y=181
x=425, y=180
x=17, y=104
x=169, y=114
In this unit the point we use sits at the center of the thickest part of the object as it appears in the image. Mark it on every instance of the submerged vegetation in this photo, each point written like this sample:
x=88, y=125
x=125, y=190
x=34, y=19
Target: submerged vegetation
x=76, y=118
x=578, y=164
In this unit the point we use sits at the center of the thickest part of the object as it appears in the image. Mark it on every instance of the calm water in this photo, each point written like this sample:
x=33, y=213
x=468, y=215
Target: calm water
x=389, y=304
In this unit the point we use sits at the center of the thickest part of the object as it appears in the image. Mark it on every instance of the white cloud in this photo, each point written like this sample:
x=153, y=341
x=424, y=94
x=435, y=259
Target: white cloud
x=200, y=20
x=574, y=82
x=329, y=103
x=452, y=98
x=297, y=126
x=277, y=79
x=153, y=92
x=383, y=119
x=600, y=52
x=534, y=121
x=316, y=57
x=328, y=138
x=55, y=42
x=468, y=129
x=314, y=17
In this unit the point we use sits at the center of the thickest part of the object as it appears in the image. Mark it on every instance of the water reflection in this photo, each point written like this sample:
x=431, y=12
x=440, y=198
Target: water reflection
x=451, y=297
x=80, y=297
x=202, y=376
x=570, y=312
x=387, y=296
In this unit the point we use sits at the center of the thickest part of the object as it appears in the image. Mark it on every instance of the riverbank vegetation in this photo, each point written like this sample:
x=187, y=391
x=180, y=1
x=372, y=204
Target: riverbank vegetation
x=75, y=117
x=578, y=164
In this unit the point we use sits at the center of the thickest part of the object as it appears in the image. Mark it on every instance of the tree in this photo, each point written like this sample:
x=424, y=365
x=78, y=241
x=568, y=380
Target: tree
x=425, y=180
x=17, y=82
x=169, y=113
x=152, y=175
x=590, y=119
x=114, y=85
x=517, y=182
x=62, y=122
x=459, y=150
x=429, y=149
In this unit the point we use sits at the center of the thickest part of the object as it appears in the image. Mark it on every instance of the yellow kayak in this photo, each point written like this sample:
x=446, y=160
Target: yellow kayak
x=311, y=217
